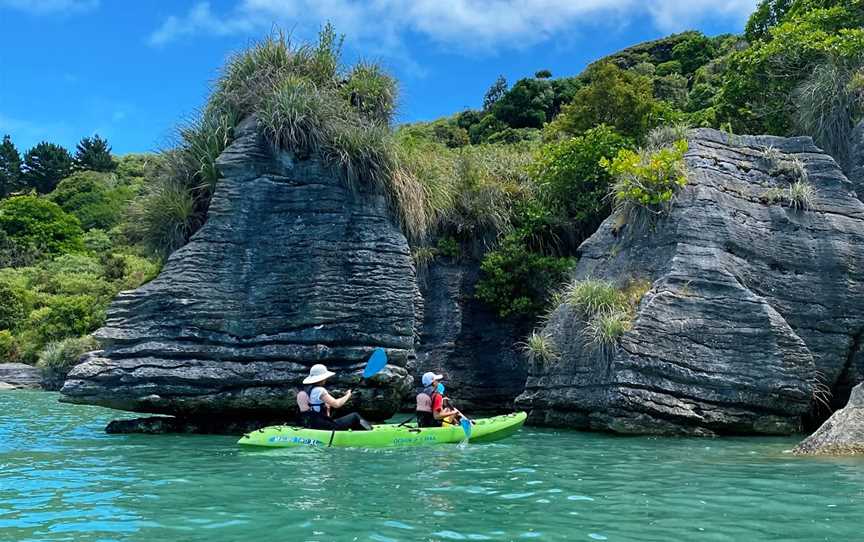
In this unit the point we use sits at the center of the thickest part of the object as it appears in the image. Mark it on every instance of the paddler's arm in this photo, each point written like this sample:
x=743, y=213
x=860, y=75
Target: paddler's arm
x=332, y=402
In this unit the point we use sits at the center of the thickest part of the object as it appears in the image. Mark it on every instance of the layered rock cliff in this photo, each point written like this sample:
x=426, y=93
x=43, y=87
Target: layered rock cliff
x=292, y=268
x=754, y=311
x=842, y=433
x=466, y=341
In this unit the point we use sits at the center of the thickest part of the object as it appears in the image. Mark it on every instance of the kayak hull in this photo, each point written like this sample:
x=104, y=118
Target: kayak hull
x=384, y=436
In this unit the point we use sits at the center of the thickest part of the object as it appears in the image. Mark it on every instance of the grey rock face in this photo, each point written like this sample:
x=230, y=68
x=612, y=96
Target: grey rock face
x=754, y=309
x=20, y=376
x=842, y=433
x=463, y=339
x=292, y=268
x=856, y=160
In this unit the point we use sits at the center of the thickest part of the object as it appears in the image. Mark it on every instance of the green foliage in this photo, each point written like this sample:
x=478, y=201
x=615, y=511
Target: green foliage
x=606, y=309
x=572, y=180
x=693, y=53
x=529, y=104
x=647, y=180
x=495, y=93
x=8, y=347
x=32, y=221
x=768, y=14
x=59, y=318
x=164, y=218
x=486, y=128
x=13, y=308
x=97, y=241
x=542, y=74
x=760, y=79
x=672, y=66
x=10, y=167
x=92, y=198
x=371, y=91
x=45, y=165
x=449, y=247
x=827, y=105
x=540, y=348
x=94, y=154
x=621, y=99
x=58, y=357
x=517, y=281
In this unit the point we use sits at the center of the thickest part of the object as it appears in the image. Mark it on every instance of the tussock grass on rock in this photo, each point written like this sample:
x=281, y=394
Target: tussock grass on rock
x=307, y=103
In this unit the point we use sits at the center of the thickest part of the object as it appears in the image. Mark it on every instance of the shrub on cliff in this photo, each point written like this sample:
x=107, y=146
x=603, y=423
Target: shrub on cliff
x=36, y=222
x=647, y=180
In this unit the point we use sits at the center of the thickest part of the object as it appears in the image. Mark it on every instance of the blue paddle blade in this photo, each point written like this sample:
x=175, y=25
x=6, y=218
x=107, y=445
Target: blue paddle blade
x=466, y=426
x=377, y=361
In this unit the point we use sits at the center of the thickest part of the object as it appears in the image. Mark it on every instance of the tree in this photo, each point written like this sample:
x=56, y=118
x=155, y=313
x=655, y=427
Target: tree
x=88, y=196
x=621, y=99
x=527, y=105
x=495, y=93
x=693, y=53
x=10, y=167
x=543, y=74
x=768, y=14
x=94, y=154
x=45, y=165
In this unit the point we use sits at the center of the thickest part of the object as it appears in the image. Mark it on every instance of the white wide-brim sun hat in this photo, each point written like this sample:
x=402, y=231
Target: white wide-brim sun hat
x=318, y=373
x=430, y=377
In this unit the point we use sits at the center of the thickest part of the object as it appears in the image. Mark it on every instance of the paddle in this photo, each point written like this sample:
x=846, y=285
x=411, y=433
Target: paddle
x=377, y=361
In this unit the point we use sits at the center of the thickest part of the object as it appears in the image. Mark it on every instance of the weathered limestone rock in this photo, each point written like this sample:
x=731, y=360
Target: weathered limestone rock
x=462, y=338
x=20, y=376
x=856, y=160
x=842, y=433
x=292, y=268
x=754, y=313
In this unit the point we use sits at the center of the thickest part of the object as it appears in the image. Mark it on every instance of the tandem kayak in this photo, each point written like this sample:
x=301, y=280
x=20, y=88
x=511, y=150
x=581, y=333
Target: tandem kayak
x=384, y=436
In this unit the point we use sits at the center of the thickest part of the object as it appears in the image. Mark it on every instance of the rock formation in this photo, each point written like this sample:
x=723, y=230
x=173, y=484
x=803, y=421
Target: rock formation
x=464, y=339
x=292, y=268
x=842, y=433
x=856, y=160
x=754, y=313
x=19, y=376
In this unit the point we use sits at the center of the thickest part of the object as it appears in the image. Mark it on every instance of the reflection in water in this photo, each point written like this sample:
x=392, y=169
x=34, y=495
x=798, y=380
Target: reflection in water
x=62, y=478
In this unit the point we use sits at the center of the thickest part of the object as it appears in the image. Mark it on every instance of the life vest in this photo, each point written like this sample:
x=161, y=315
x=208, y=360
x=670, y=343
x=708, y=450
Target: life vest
x=316, y=405
x=425, y=418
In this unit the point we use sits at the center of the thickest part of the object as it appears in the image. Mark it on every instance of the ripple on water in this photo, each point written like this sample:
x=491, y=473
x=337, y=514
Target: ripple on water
x=81, y=484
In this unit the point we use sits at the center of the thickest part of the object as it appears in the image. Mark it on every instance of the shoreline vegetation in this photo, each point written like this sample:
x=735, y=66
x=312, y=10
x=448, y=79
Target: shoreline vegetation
x=516, y=185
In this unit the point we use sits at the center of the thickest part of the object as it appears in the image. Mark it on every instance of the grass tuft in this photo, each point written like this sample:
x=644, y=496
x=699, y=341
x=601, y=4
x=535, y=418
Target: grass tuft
x=666, y=135
x=540, y=347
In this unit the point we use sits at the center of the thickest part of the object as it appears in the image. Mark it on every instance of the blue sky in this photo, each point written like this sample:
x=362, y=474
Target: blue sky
x=132, y=70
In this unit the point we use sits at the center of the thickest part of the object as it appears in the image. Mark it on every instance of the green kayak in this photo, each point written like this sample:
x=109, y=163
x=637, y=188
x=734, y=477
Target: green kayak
x=384, y=436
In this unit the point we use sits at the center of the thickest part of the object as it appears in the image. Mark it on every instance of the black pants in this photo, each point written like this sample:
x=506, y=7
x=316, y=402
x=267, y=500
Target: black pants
x=426, y=419
x=349, y=421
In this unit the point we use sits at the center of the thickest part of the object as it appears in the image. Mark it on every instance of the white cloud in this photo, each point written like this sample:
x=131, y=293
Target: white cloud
x=466, y=25
x=44, y=7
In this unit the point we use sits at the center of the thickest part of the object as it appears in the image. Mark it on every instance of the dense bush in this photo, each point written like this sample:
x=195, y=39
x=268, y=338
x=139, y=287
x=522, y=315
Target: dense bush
x=92, y=198
x=572, y=180
x=37, y=222
x=8, y=346
x=760, y=78
x=12, y=307
x=517, y=281
x=60, y=317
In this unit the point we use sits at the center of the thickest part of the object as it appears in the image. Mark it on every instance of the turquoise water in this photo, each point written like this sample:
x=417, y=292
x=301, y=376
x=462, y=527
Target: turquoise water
x=62, y=478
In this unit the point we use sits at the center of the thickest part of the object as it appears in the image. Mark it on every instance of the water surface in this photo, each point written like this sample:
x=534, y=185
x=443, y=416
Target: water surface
x=63, y=478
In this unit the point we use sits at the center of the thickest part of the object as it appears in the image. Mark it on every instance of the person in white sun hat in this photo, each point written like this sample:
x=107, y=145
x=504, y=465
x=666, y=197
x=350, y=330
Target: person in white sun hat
x=431, y=406
x=321, y=403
